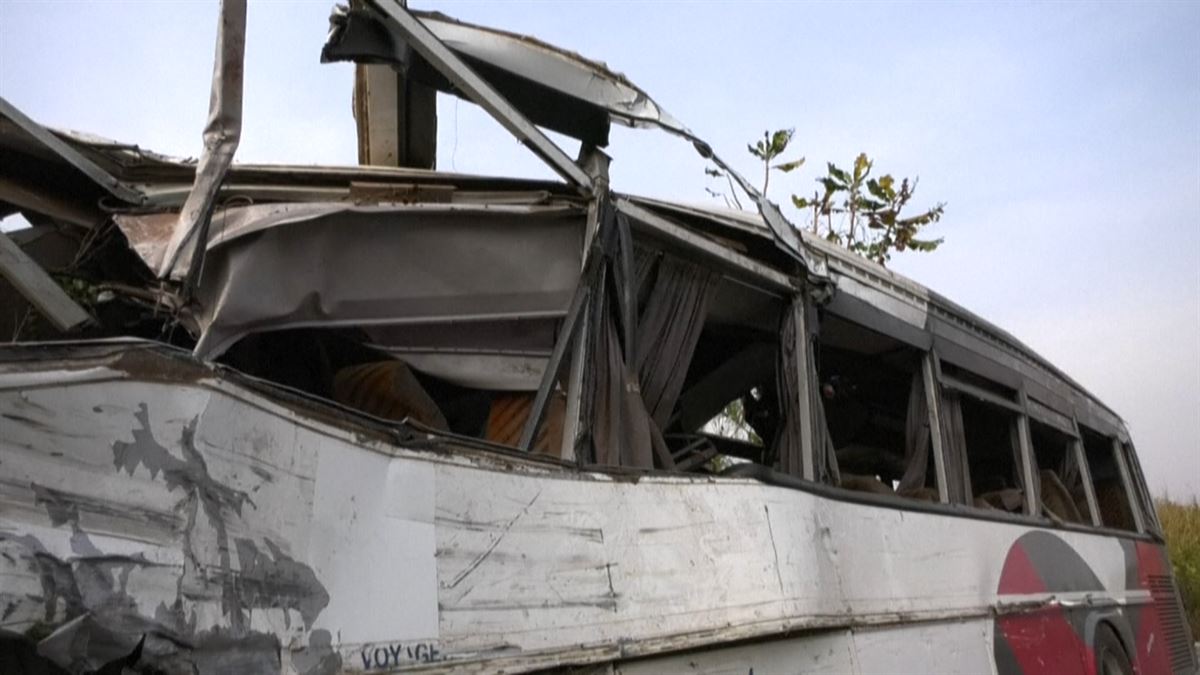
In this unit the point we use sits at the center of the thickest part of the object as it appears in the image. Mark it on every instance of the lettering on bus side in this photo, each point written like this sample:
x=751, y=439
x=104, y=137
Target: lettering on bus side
x=395, y=654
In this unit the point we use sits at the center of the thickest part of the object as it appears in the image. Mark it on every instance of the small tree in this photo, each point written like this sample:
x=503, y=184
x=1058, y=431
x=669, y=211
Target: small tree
x=850, y=208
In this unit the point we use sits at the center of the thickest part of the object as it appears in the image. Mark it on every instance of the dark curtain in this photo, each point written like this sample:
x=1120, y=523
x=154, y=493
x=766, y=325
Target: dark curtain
x=622, y=432
x=826, y=459
x=1019, y=463
x=916, y=437
x=1069, y=471
x=788, y=447
x=668, y=329
x=954, y=445
x=634, y=397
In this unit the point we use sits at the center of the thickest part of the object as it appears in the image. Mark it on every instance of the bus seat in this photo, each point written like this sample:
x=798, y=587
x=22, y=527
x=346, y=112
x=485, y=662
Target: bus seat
x=865, y=484
x=1005, y=499
x=1056, y=499
x=922, y=494
x=387, y=389
x=1114, y=505
x=509, y=412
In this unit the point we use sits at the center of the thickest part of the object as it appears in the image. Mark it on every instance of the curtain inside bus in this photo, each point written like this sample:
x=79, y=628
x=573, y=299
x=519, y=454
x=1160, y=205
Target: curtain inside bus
x=634, y=401
x=954, y=445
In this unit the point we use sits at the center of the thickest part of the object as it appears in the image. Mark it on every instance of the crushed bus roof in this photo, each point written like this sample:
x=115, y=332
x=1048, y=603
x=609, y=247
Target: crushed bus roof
x=142, y=191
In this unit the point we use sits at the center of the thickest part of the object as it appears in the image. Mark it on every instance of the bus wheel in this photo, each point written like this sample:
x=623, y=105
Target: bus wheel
x=1110, y=655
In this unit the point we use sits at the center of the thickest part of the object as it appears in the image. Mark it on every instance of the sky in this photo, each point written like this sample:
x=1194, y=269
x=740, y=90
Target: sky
x=1064, y=139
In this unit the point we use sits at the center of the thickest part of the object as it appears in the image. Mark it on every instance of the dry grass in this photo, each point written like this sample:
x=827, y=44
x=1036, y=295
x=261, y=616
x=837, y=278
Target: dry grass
x=1181, y=524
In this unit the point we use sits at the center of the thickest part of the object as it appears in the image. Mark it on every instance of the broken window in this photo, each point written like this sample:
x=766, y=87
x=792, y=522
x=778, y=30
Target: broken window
x=690, y=345
x=981, y=420
x=1060, y=476
x=1111, y=497
x=993, y=456
x=873, y=397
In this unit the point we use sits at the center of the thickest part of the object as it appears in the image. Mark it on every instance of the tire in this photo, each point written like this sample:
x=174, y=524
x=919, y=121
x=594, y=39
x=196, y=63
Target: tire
x=1111, y=658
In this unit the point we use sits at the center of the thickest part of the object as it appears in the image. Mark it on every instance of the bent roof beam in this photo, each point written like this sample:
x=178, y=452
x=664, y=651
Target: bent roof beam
x=39, y=287
x=222, y=133
x=70, y=155
x=401, y=21
x=576, y=85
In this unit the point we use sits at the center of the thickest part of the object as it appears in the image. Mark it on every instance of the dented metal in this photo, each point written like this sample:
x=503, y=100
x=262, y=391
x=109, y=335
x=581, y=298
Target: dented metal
x=222, y=133
x=213, y=497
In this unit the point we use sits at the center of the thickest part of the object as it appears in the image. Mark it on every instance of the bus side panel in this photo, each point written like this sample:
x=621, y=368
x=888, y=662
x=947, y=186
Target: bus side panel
x=944, y=647
x=230, y=528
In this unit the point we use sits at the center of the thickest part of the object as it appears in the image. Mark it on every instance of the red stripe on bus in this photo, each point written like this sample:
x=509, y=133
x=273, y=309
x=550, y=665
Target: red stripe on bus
x=1043, y=642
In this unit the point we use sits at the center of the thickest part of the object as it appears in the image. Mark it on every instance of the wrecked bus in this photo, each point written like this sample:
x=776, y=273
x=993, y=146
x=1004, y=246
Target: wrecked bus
x=314, y=420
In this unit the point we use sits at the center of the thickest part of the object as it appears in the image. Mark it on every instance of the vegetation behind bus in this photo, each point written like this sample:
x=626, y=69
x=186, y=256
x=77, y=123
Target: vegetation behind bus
x=1181, y=524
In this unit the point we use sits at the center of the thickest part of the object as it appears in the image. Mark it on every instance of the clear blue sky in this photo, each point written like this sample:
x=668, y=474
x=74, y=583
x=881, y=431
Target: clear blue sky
x=1065, y=138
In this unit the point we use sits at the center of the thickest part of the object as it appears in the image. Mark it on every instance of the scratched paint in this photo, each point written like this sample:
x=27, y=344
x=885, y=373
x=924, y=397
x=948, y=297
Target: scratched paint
x=237, y=532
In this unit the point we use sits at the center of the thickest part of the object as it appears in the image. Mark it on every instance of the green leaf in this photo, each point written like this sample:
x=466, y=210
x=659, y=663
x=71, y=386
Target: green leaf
x=788, y=167
x=862, y=166
x=925, y=245
x=839, y=175
x=779, y=142
x=887, y=186
x=864, y=204
x=800, y=202
x=831, y=185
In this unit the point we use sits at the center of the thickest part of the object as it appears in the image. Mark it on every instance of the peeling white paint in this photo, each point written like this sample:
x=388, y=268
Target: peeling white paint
x=382, y=556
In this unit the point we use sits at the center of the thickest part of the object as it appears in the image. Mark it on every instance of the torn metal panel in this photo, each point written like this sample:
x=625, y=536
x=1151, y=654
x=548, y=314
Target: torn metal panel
x=527, y=71
x=385, y=265
x=222, y=132
x=561, y=70
x=149, y=234
x=581, y=82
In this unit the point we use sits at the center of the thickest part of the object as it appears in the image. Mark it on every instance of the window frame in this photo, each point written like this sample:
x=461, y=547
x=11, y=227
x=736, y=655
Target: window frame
x=1018, y=429
x=1023, y=406
x=1135, y=504
x=1153, y=526
x=1089, y=487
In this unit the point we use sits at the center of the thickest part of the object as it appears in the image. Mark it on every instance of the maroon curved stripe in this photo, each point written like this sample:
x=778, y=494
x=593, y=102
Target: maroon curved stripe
x=1042, y=642
x=1151, y=649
